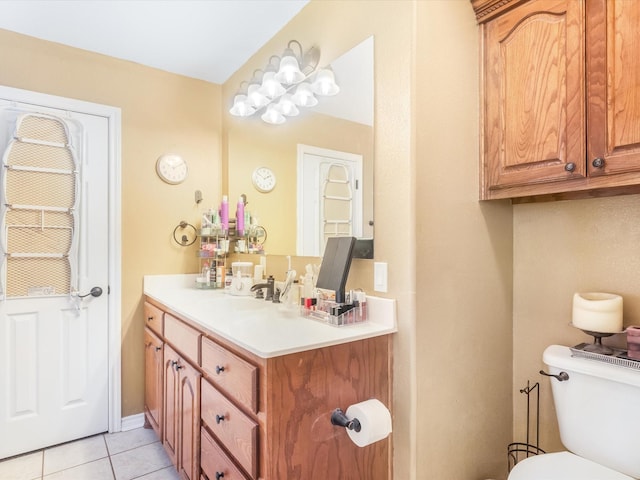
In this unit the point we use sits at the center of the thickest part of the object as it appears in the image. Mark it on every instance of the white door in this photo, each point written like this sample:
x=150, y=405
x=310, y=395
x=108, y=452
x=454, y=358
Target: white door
x=329, y=197
x=54, y=373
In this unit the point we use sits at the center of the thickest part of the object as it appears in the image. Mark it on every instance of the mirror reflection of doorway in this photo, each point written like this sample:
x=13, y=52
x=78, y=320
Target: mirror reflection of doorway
x=329, y=197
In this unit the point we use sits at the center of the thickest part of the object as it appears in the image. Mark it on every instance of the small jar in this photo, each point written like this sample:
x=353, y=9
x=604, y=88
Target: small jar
x=633, y=342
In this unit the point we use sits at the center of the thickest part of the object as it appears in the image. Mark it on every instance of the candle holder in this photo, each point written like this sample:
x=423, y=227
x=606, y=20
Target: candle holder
x=597, y=346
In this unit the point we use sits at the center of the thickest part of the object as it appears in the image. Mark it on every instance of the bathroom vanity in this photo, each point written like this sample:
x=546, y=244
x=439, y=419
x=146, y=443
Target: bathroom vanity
x=240, y=388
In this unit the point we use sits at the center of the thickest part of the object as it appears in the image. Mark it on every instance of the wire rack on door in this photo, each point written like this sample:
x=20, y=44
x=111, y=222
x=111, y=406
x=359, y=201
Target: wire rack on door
x=517, y=451
x=38, y=209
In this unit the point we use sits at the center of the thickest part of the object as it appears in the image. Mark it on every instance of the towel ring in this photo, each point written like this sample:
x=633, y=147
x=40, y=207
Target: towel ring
x=184, y=240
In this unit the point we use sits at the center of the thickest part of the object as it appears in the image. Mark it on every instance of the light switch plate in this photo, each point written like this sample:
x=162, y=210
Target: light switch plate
x=380, y=276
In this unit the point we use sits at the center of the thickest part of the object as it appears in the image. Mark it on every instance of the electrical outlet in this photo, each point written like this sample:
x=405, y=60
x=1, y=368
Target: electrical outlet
x=380, y=276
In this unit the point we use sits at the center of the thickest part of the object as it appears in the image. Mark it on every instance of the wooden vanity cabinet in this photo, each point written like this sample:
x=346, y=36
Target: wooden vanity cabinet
x=233, y=415
x=560, y=113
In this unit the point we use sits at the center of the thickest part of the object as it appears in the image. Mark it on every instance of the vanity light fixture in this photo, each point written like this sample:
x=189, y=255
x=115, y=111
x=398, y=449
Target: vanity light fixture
x=278, y=92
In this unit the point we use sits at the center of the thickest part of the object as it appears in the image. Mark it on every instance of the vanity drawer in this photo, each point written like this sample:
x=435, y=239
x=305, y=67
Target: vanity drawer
x=214, y=462
x=153, y=318
x=231, y=373
x=237, y=432
x=184, y=338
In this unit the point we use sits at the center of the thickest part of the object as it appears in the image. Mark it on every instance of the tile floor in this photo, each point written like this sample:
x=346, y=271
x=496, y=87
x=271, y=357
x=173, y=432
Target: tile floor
x=118, y=456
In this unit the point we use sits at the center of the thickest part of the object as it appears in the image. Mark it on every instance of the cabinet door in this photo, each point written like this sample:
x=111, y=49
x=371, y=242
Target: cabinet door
x=189, y=426
x=153, y=380
x=613, y=83
x=171, y=405
x=533, y=98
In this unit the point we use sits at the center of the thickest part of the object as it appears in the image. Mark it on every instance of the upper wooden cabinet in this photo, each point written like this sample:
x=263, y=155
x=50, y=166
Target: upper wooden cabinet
x=613, y=86
x=560, y=103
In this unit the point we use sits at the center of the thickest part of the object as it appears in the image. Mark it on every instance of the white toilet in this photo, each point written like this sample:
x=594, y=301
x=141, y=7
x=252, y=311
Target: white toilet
x=598, y=411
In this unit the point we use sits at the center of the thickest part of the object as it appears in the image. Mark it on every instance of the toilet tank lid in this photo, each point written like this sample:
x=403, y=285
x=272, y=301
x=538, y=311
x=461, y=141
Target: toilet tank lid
x=562, y=466
x=560, y=357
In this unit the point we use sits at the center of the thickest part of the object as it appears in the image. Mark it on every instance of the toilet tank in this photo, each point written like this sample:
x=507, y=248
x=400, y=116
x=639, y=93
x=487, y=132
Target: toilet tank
x=597, y=409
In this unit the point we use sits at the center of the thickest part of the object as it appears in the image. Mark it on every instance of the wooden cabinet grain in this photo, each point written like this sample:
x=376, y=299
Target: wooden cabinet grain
x=215, y=464
x=171, y=404
x=559, y=109
x=182, y=414
x=153, y=381
x=613, y=86
x=189, y=424
x=230, y=412
x=154, y=318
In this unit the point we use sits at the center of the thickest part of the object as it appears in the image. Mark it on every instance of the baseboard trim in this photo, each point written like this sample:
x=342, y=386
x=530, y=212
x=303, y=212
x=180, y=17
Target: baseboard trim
x=132, y=421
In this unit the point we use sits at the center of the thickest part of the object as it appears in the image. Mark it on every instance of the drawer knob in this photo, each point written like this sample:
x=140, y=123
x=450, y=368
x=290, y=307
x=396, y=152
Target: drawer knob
x=219, y=475
x=219, y=418
x=219, y=369
x=598, y=162
x=570, y=167
x=149, y=319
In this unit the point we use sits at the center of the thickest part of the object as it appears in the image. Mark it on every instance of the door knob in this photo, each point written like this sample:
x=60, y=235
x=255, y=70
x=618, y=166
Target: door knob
x=598, y=162
x=570, y=167
x=95, y=292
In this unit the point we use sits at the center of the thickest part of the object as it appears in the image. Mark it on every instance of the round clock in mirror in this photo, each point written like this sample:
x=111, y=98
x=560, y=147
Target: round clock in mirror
x=264, y=180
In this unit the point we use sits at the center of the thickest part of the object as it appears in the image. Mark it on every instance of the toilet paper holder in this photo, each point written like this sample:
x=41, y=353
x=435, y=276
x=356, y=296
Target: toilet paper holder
x=339, y=419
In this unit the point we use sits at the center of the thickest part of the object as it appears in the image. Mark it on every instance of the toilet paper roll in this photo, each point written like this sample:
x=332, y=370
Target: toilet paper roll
x=375, y=421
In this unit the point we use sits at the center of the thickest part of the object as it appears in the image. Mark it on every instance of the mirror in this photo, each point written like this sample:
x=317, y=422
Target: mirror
x=342, y=124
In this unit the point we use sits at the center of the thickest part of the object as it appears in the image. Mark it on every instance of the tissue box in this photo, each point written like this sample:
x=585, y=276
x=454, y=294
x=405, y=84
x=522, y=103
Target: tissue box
x=633, y=342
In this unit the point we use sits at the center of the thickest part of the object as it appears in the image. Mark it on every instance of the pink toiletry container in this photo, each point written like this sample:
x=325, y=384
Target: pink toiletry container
x=633, y=342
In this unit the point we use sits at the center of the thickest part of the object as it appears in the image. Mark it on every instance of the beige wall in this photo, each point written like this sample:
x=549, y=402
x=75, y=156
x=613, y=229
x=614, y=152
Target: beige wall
x=161, y=113
x=452, y=354
x=561, y=248
x=463, y=262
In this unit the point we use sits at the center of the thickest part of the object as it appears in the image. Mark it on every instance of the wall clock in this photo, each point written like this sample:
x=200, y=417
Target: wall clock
x=264, y=180
x=172, y=169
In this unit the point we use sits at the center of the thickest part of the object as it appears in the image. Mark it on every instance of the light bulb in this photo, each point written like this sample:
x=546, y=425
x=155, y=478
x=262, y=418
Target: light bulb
x=325, y=83
x=271, y=88
x=273, y=115
x=287, y=106
x=289, y=72
x=256, y=99
x=241, y=106
x=304, y=96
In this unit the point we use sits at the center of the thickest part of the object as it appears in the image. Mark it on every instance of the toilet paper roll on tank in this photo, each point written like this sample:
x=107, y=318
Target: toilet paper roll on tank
x=366, y=422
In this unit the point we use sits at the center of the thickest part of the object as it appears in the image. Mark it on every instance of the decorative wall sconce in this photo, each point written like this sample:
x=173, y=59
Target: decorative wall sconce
x=281, y=88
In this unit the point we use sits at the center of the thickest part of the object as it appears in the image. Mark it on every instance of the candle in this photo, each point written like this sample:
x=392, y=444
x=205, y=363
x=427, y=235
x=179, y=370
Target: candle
x=597, y=312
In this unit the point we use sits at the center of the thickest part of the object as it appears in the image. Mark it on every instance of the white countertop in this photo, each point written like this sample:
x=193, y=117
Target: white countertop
x=263, y=328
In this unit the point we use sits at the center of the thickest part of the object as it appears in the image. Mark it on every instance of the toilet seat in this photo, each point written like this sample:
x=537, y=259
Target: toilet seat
x=562, y=466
